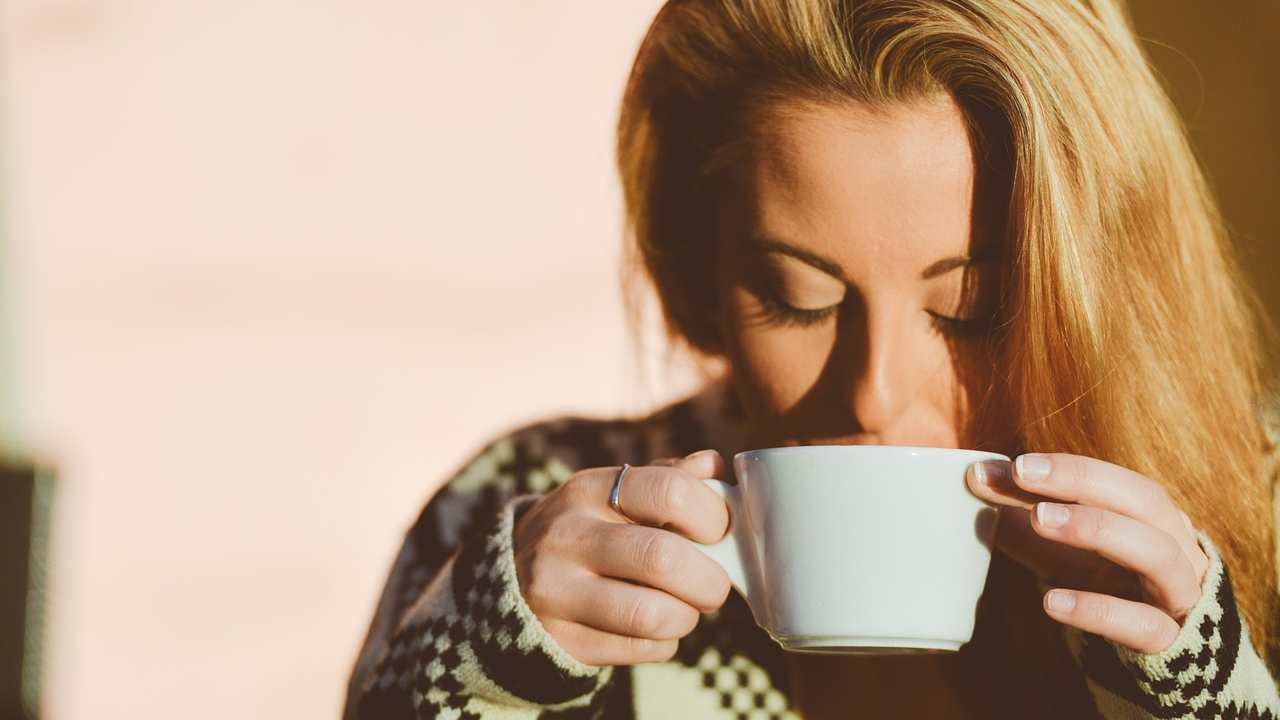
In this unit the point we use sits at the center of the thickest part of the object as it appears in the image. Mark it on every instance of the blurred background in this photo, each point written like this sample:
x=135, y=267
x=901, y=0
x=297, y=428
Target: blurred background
x=270, y=269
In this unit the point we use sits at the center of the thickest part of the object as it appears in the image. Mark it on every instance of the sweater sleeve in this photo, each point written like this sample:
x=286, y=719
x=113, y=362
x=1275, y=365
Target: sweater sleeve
x=452, y=635
x=1210, y=671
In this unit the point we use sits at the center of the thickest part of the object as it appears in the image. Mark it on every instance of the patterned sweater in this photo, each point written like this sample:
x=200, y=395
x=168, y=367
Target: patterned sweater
x=453, y=638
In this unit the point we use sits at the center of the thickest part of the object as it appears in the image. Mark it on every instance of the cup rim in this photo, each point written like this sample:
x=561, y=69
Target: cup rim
x=918, y=449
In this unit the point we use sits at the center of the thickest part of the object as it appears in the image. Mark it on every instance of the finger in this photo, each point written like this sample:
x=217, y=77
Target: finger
x=661, y=497
x=1088, y=481
x=665, y=462
x=1135, y=625
x=702, y=464
x=659, y=559
x=992, y=482
x=623, y=608
x=1167, y=574
x=594, y=647
x=1199, y=559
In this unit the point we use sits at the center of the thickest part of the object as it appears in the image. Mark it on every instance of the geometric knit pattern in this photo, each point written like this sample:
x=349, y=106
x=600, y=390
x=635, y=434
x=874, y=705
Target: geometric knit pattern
x=452, y=636
x=1190, y=678
x=471, y=647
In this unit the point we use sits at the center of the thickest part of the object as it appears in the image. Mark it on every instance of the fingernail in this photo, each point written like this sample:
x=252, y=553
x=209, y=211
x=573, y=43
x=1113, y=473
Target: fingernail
x=1033, y=467
x=1060, y=601
x=1052, y=515
x=990, y=472
x=696, y=453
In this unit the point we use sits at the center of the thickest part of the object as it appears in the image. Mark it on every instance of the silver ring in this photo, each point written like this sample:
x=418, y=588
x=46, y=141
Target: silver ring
x=613, y=494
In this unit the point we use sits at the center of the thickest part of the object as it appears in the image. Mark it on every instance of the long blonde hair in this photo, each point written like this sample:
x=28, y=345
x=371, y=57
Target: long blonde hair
x=1127, y=332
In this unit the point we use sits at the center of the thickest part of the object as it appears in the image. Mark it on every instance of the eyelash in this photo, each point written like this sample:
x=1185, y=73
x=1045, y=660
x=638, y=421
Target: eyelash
x=777, y=312
x=958, y=327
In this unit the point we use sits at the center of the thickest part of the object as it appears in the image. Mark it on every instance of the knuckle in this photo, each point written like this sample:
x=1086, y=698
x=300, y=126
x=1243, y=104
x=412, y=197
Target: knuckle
x=685, y=621
x=658, y=556
x=1094, y=527
x=644, y=619
x=1154, y=494
x=672, y=494
x=567, y=531
x=564, y=637
x=1186, y=521
x=540, y=586
x=552, y=525
x=574, y=490
x=637, y=648
x=1172, y=560
x=1162, y=493
x=1182, y=609
x=560, y=534
x=1074, y=471
x=640, y=648
x=1201, y=566
x=1099, y=614
x=1149, y=626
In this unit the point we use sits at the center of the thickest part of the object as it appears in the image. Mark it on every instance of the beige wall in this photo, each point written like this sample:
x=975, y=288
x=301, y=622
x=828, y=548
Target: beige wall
x=278, y=266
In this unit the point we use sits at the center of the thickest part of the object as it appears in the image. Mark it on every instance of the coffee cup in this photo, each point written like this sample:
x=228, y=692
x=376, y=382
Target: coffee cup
x=857, y=548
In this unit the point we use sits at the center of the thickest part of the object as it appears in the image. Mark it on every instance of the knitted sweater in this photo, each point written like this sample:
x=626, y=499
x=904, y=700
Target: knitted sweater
x=452, y=636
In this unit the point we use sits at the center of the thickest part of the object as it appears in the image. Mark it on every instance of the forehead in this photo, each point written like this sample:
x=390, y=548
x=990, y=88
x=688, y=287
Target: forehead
x=844, y=181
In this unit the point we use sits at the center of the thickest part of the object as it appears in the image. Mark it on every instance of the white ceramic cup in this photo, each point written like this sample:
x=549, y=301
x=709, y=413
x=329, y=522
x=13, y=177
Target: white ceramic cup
x=858, y=548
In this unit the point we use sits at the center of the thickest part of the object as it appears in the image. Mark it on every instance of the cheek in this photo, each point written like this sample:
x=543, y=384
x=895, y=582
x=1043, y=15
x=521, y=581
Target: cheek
x=776, y=364
x=981, y=408
x=947, y=398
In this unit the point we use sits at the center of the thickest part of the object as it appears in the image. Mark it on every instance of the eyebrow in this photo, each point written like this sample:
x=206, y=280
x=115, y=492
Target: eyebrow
x=826, y=265
x=833, y=268
x=946, y=265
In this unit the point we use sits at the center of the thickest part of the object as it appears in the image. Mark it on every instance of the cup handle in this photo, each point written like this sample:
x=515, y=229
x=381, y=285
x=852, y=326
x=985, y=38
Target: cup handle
x=726, y=552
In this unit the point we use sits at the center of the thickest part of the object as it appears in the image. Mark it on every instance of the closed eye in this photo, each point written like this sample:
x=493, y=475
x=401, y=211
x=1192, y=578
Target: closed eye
x=967, y=328
x=777, y=312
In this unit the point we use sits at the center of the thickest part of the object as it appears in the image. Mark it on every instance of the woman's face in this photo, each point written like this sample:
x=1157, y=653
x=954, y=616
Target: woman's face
x=856, y=283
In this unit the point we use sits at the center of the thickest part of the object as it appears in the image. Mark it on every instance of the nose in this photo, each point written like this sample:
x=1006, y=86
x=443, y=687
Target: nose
x=881, y=370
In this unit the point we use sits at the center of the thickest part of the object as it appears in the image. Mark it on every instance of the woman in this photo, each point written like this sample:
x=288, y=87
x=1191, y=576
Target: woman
x=957, y=223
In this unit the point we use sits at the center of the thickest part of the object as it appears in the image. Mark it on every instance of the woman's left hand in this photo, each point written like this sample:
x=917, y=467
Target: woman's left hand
x=1122, y=558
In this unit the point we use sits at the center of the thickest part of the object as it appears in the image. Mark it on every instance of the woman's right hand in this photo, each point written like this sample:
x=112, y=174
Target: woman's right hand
x=612, y=592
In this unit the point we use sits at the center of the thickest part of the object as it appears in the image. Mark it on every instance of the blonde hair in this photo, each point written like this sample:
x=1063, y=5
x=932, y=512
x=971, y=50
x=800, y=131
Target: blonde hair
x=1126, y=334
